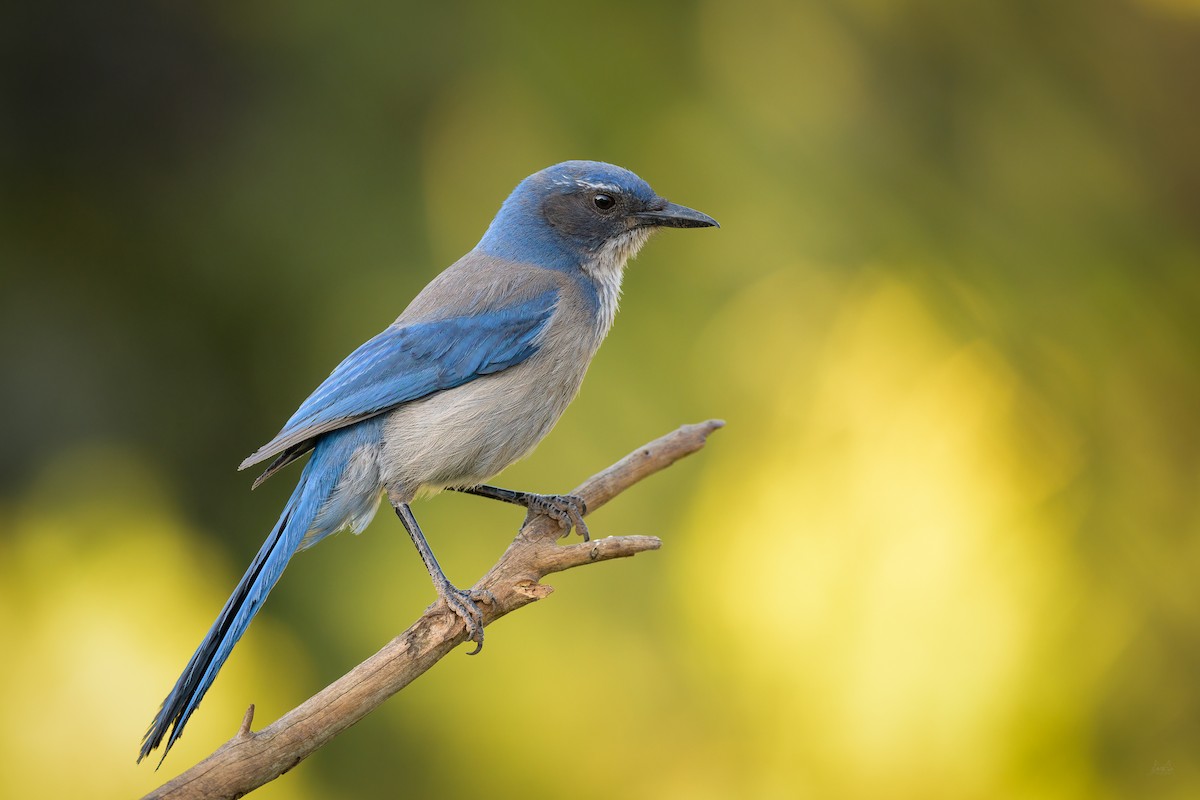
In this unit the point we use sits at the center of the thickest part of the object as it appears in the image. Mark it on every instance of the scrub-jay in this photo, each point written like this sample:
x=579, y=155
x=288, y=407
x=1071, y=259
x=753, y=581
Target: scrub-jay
x=466, y=381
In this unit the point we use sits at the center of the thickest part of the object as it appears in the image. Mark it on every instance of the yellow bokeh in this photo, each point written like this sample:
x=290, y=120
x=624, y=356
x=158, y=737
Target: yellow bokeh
x=105, y=592
x=886, y=579
x=946, y=546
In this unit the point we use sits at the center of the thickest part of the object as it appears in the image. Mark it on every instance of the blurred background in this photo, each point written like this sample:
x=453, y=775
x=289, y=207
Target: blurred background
x=947, y=545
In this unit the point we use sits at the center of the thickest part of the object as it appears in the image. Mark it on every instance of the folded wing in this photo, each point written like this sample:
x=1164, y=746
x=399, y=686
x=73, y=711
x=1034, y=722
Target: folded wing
x=405, y=363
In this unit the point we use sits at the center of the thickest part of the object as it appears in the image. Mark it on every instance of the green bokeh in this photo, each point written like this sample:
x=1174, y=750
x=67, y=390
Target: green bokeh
x=946, y=547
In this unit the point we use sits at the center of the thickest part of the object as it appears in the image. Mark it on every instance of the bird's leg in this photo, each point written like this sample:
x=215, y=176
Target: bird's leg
x=462, y=603
x=566, y=509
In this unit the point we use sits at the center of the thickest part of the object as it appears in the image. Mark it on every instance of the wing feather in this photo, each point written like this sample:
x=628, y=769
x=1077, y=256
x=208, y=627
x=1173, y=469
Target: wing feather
x=408, y=362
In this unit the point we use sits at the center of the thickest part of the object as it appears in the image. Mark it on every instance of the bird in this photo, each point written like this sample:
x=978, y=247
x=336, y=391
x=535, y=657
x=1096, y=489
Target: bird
x=468, y=379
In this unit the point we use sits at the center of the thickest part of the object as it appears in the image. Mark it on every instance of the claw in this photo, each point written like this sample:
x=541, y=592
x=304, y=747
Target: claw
x=463, y=605
x=566, y=509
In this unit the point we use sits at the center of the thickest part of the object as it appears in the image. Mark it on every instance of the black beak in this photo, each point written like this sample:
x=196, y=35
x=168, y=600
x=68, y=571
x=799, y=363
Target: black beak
x=672, y=215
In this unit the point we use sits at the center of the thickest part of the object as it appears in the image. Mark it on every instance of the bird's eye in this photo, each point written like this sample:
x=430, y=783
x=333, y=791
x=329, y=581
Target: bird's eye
x=603, y=202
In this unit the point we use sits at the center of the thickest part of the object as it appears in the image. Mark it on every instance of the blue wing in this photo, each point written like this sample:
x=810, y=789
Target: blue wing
x=408, y=362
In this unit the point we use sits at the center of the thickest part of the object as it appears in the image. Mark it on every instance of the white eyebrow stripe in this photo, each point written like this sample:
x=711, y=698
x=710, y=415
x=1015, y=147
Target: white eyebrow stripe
x=600, y=187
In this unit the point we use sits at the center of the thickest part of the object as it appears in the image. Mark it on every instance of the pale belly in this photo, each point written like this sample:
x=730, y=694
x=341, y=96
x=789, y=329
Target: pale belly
x=462, y=436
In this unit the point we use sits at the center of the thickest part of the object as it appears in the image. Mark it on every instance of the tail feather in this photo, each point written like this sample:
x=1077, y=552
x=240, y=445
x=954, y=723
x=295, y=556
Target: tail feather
x=317, y=483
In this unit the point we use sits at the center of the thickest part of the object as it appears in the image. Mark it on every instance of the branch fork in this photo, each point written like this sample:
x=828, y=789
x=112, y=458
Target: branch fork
x=250, y=758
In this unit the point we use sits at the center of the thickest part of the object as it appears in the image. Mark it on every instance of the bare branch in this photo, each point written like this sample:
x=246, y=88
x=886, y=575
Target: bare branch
x=250, y=759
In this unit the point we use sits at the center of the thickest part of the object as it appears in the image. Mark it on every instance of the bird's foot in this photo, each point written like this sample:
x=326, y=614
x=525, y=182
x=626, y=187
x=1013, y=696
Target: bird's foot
x=464, y=605
x=565, y=509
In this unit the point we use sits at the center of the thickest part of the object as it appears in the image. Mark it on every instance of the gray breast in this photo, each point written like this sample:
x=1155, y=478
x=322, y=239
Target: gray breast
x=462, y=436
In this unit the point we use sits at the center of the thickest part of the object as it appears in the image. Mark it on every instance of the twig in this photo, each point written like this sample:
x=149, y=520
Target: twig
x=250, y=759
x=244, y=731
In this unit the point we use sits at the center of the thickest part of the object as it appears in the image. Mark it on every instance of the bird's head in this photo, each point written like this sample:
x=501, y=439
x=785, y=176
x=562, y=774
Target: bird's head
x=582, y=214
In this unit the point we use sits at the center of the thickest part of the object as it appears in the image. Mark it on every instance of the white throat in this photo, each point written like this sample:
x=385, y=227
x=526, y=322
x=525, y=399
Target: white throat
x=606, y=269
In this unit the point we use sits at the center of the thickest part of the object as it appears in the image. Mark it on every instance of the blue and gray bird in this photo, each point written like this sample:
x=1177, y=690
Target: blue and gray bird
x=465, y=382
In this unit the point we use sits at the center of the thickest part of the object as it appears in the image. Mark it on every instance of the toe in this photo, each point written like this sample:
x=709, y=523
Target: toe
x=482, y=596
x=567, y=510
x=582, y=528
x=462, y=604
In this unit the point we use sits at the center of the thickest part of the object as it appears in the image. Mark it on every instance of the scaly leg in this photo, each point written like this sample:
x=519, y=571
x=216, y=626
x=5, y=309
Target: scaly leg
x=462, y=603
x=566, y=509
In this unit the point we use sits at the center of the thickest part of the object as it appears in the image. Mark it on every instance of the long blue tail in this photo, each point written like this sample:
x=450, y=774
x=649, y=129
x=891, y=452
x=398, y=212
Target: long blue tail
x=317, y=483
